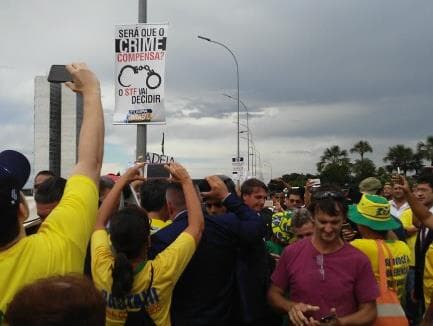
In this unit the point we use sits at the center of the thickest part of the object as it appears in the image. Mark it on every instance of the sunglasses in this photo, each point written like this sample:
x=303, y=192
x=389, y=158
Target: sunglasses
x=320, y=262
x=322, y=195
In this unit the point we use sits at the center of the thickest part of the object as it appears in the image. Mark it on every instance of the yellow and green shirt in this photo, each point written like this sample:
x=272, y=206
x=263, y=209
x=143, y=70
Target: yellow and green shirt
x=401, y=260
x=167, y=268
x=157, y=224
x=60, y=245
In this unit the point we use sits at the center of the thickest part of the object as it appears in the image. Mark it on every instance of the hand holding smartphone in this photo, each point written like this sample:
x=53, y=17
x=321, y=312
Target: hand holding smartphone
x=396, y=177
x=59, y=74
x=202, y=185
x=347, y=232
x=156, y=171
x=316, y=183
x=328, y=319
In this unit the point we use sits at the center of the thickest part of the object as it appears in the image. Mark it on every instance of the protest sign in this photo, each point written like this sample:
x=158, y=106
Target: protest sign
x=140, y=51
x=238, y=168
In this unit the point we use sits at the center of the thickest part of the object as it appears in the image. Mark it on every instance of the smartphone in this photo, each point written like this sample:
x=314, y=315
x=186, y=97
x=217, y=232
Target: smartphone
x=202, y=184
x=135, y=199
x=156, y=171
x=59, y=74
x=269, y=203
x=328, y=319
x=316, y=183
x=396, y=176
x=346, y=227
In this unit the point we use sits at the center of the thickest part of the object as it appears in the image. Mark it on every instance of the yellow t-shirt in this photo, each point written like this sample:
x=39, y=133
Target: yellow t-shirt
x=60, y=245
x=428, y=276
x=406, y=220
x=401, y=254
x=167, y=268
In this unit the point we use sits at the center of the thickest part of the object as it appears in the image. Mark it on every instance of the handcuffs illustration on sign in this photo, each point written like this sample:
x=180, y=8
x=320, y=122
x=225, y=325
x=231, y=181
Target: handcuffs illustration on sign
x=136, y=69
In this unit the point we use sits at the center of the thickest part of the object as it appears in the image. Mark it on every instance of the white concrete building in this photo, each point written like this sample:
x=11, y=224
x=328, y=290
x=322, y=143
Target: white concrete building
x=57, y=113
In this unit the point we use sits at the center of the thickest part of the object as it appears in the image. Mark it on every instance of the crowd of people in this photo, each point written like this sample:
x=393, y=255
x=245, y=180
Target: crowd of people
x=126, y=250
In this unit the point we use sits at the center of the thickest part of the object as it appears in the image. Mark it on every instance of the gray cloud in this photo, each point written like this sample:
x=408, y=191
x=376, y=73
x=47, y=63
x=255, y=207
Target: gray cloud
x=312, y=73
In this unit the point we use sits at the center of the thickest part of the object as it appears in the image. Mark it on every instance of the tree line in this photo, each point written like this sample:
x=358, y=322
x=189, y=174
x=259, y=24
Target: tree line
x=335, y=165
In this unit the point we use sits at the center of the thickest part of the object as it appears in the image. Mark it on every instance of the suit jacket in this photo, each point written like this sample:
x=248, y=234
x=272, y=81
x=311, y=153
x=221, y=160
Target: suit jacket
x=206, y=292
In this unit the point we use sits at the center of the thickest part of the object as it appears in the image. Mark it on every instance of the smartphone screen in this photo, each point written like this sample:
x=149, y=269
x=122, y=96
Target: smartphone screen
x=156, y=171
x=269, y=203
x=136, y=201
x=328, y=319
x=202, y=184
x=59, y=74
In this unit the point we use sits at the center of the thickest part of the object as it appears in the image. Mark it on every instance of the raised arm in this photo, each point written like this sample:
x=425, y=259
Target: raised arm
x=111, y=201
x=251, y=226
x=308, y=192
x=91, y=141
x=193, y=205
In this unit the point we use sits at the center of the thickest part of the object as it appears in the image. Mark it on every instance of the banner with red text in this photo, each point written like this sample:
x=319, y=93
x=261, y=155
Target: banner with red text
x=139, y=73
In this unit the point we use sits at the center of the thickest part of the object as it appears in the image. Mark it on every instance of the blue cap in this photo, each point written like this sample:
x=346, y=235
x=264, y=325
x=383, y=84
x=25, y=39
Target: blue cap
x=14, y=172
x=14, y=164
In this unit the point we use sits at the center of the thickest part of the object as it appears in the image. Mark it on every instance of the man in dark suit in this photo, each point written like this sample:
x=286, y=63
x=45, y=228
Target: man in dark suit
x=206, y=292
x=254, y=265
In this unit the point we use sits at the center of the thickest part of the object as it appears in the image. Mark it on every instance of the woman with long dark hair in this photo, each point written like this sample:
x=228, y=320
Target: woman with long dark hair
x=129, y=282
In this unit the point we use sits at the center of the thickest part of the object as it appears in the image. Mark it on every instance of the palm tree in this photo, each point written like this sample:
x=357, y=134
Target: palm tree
x=400, y=156
x=426, y=149
x=333, y=155
x=361, y=148
x=334, y=166
x=416, y=163
x=363, y=169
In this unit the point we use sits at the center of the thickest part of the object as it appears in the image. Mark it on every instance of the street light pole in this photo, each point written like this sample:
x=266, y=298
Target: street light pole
x=269, y=164
x=256, y=152
x=248, y=146
x=260, y=165
x=253, y=160
x=248, y=127
x=237, y=75
x=141, y=147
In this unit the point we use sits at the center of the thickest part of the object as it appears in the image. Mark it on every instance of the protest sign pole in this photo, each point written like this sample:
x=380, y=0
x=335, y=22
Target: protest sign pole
x=141, y=148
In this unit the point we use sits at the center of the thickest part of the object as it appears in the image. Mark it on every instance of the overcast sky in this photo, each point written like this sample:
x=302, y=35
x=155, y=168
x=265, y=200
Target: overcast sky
x=312, y=74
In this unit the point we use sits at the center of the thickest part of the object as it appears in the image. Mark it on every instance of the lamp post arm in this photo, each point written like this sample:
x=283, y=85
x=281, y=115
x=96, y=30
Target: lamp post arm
x=237, y=75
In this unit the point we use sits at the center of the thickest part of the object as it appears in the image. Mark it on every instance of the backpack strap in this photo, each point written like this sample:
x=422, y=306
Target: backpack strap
x=382, y=267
